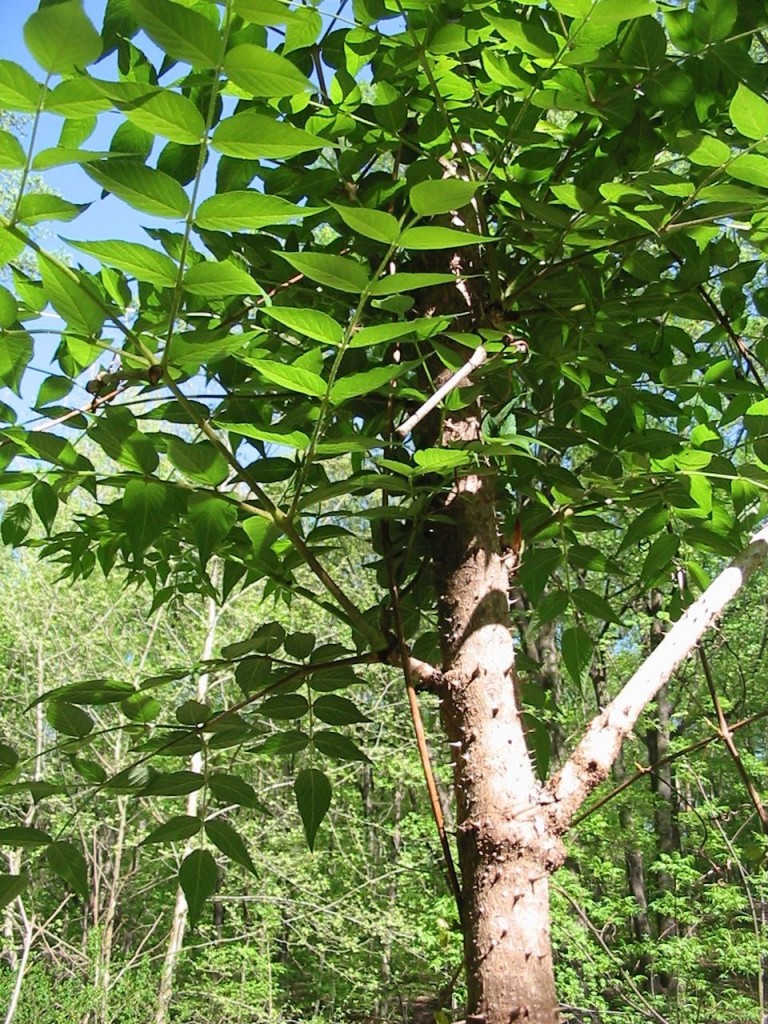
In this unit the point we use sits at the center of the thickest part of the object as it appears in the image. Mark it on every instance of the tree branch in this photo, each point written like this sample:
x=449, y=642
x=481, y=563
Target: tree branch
x=591, y=761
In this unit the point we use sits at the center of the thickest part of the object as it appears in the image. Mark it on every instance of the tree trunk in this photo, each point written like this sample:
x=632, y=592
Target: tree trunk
x=506, y=851
x=658, y=742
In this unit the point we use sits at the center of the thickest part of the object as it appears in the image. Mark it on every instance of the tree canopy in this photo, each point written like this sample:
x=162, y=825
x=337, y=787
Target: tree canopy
x=397, y=256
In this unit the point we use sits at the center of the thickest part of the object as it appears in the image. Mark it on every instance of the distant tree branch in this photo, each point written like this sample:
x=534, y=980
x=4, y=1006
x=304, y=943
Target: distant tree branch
x=592, y=759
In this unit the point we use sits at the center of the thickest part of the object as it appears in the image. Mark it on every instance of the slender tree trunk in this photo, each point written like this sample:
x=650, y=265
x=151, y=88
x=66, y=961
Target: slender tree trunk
x=665, y=799
x=103, y=978
x=28, y=935
x=506, y=852
x=179, y=921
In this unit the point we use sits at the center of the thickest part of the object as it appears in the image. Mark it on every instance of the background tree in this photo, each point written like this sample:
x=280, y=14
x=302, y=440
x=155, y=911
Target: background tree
x=484, y=278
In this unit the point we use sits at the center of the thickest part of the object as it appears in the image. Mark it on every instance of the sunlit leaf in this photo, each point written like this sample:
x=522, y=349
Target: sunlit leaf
x=183, y=33
x=253, y=136
x=432, y=197
x=60, y=37
x=248, y=211
x=141, y=187
x=260, y=72
x=340, y=272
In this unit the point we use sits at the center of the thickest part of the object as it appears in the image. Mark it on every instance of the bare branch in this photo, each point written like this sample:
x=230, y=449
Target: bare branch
x=591, y=761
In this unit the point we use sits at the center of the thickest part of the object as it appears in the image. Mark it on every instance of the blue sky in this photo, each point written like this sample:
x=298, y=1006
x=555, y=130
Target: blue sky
x=104, y=219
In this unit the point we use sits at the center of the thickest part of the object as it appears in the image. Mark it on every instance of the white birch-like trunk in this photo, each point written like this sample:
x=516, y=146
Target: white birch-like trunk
x=179, y=921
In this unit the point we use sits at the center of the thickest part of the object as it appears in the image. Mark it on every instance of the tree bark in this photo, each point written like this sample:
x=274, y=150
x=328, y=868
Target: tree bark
x=506, y=853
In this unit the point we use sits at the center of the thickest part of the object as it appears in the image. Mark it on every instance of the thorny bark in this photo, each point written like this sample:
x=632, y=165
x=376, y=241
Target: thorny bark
x=505, y=851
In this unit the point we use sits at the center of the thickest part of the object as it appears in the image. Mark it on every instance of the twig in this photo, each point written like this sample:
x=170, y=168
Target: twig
x=477, y=358
x=726, y=734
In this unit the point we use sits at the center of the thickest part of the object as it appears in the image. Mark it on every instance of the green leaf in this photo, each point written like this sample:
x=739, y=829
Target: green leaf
x=284, y=706
x=262, y=73
x=303, y=29
x=12, y=156
x=526, y=36
x=253, y=136
x=67, y=861
x=61, y=38
x=290, y=378
x=751, y=168
x=299, y=645
x=264, y=12
x=192, y=713
x=312, y=323
x=182, y=33
x=174, y=784
x=211, y=519
x=749, y=113
x=77, y=98
x=11, y=886
x=292, y=741
x=68, y=719
x=89, y=691
x=335, y=710
x=198, y=877
x=214, y=280
x=364, y=383
x=16, y=523
x=18, y=89
x=231, y=789
x=552, y=606
x=46, y=503
x=15, y=353
x=201, y=461
x=313, y=798
x=261, y=532
x=116, y=433
x=392, y=284
x=335, y=744
x=276, y=435
x=168, y=114
x=424, y=327
x=230, y=842
x=705, y=150
x=71, y=299
x=376, y=224
x=141, y=187
x=147, y=510
x=660, y=557
x=429, y=198
x=438, y=238
x=138, y=260
x=340, y=272
x=576, y=647
x=651, y=521
x=9, y=308
x=248, y=210
x=183, y=826
x=24, y=837
x=36, y=207
x=438, y=460
x=593, y=604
